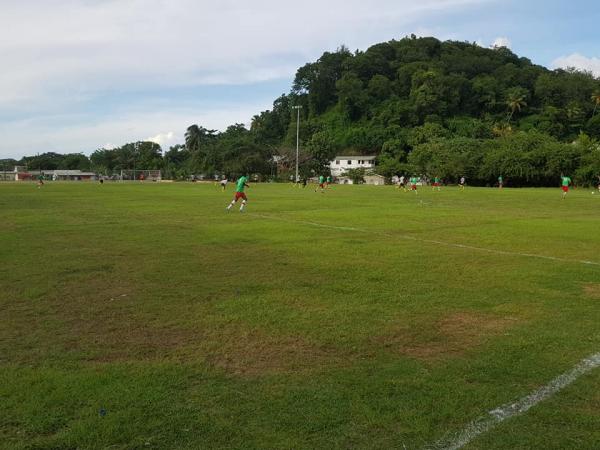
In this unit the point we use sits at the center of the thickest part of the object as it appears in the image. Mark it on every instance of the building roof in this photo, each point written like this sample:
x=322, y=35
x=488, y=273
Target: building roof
x=363, y=158
x=66, y=173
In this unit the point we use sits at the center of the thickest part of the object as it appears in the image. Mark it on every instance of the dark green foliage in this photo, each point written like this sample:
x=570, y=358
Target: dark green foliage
x=592, y=126
x=353, y=97
x=318, y=80
x=322, y=148
x=356, y=175
x=7, y=164
x=523, y=158
x=141, y=155
x=428, y=97
x=53, y=161
x=450, y=158
x=270, y=126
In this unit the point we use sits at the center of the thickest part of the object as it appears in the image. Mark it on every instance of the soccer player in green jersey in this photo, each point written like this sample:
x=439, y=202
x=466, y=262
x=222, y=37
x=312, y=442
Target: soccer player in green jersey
x=321, y=184
x=239, y=193
x=413, y=184
x=500, y=182
x=328, y=182
x=436, y=184
x=566, y=182
x=40, y=181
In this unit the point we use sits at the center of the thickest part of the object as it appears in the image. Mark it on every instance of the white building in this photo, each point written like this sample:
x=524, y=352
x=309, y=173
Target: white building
x=341, y=164
x=375, y=180
x=20, y=173
x=68, y=175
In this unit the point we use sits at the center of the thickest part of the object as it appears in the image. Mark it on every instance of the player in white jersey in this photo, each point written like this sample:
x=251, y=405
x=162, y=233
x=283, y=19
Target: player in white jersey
x=402, y=183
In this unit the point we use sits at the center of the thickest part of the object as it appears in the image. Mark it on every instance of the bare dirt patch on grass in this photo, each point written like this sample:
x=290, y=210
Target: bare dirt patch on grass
x=113, y=322
x=247, y=352
x=451, y=335
x=96, y=323
x=592, y=290
x=133, y=342
x=110, y=331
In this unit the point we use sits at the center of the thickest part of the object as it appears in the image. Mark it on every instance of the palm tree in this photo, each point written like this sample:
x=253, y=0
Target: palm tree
x=193, y=135
x=516, y=102
x=596, y=99
x=198, y=141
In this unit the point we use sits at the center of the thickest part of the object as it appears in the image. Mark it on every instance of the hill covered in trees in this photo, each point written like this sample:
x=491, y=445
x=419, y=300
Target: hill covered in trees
x=445, y=108
x=423, y=106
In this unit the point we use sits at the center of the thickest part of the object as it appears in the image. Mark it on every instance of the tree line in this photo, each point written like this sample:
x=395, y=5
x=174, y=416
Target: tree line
x=422, y=106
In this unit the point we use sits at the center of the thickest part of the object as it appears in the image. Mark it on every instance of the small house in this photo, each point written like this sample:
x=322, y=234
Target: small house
x=341, y=164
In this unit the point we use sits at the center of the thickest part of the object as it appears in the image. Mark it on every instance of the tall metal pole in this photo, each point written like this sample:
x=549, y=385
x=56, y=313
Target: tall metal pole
x=135, y=148
x=298, y=108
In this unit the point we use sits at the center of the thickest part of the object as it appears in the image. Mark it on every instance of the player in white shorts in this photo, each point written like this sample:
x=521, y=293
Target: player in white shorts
x=402, y=183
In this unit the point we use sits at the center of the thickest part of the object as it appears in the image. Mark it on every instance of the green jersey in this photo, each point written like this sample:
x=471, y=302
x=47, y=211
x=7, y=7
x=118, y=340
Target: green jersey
x=329, y=179
x=566, y=181
x=436, y=180
x=241, y=184
x=500, y=179
x=321, y=179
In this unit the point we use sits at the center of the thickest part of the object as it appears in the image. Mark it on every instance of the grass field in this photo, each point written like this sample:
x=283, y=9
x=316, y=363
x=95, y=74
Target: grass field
x=145, y=316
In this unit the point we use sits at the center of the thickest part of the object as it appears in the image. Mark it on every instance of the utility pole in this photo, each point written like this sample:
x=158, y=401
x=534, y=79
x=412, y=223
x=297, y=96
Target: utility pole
x=298, y=108
x=135, y=149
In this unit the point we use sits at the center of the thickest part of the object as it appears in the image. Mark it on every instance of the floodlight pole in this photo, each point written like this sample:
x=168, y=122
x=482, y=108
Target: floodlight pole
x=135, y=149
x=298, y=108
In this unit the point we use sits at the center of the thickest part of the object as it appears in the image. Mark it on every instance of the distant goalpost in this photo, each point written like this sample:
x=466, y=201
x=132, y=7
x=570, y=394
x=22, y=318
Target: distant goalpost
x=141, y=175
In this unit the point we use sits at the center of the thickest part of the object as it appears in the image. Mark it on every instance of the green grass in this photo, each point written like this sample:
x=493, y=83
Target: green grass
x=196, y=328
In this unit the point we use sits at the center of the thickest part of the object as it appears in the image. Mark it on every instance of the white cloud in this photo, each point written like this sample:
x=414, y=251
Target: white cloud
x=127, y=127
x=59, y=56
x=86, y=46
x=501, y=42
x=165, y=139
x=578, y=61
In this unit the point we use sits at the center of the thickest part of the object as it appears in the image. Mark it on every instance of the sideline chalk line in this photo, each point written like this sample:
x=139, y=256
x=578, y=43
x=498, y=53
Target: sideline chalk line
x=496, y=416
x=427, y=241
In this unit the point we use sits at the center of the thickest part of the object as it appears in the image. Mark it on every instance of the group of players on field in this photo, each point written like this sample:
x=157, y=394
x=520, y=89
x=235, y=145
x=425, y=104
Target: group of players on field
x=411, y=183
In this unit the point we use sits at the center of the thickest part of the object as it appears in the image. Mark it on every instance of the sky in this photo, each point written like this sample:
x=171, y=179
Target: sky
x=78, y=75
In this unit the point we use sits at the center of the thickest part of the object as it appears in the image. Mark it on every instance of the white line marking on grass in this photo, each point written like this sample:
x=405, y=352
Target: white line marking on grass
x=314, y=224
x=428, y=241
x=498, y=415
